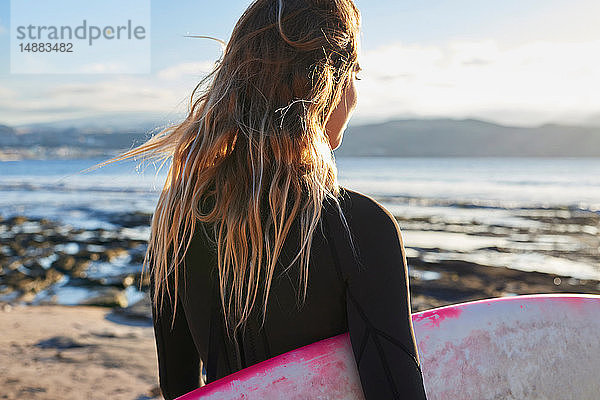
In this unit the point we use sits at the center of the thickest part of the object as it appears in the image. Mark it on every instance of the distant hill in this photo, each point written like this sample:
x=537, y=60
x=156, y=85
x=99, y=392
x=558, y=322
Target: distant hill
x=8, y=136
x=468, y=138
x=398, y=138
x=107, y=123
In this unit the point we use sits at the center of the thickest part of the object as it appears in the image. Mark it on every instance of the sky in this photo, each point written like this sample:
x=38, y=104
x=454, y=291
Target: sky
x=518, y=62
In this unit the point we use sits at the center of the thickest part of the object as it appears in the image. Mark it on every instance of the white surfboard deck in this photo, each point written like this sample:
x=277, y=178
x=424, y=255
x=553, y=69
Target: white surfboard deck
x=510, y=348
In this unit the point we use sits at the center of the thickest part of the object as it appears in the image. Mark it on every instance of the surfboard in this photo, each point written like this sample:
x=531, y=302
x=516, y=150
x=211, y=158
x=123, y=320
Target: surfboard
x=519, y=347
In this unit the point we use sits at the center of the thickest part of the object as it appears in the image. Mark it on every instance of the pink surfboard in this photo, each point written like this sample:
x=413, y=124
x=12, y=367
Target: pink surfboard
x=519, y=347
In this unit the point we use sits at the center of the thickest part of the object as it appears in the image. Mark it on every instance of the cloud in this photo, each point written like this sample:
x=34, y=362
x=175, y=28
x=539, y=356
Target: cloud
x=72, y=100
x=104, y=68
x=6, y=92
x=182, y=70
x=528, y=83
x=167, y=91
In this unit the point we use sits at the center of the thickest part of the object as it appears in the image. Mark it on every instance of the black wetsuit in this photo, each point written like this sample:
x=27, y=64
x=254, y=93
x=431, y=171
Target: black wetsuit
x=371, y=303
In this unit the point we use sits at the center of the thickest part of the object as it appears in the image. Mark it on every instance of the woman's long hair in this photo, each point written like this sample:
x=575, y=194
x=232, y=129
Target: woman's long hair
x=254, y=142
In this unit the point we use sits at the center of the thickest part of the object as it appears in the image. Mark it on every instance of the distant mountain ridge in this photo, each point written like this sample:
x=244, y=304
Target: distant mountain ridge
x=441, y=137
x=468, y=138
x=112, y=122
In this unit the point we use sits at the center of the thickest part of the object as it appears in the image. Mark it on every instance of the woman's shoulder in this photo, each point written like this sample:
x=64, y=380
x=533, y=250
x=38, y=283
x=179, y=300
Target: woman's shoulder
x=372, y=227
x=374, y=233
x=362, y=208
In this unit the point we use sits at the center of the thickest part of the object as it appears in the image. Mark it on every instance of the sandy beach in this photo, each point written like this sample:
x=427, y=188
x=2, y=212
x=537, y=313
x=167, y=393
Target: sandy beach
x=63, y=352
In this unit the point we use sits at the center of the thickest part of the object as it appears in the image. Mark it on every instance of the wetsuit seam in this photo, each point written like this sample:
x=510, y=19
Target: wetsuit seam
x=382, y=333
x=386, y=367
x=362, y=314
x=382, y=357
x=363, y=344
x=366, y=321
x=395, y=341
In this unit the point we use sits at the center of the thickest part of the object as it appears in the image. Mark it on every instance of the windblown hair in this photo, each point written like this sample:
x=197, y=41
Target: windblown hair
x=254, y=142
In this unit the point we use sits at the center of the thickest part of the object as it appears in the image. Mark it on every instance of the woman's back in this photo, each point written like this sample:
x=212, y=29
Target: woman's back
x=371, y=301
x=258, y=142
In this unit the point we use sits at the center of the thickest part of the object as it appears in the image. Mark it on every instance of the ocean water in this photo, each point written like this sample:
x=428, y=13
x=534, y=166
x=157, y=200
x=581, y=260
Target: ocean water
x=57, y=188
x=501, y=182
x=458, y=194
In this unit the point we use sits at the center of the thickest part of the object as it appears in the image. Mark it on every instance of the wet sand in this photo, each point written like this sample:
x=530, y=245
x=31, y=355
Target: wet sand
x=63, y=352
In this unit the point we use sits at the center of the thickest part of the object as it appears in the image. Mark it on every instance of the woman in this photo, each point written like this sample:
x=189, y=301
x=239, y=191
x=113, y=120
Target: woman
x=272, y=254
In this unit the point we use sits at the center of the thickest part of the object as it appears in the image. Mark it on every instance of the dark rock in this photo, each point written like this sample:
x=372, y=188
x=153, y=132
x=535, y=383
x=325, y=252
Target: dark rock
x=60, y=343
x=71, y=265
x=122, y=281
x=46, y=222
x=141, y=310
x=88, y=255
x=17, y=220
x=80, y=267
x=33, y=269
x=111, y=255
x=131, y=220
x=64, y=262
x=17, y=249
x=107, y=297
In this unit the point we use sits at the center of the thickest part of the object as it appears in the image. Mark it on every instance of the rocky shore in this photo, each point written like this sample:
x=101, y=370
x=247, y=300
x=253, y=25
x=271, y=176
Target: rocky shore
x=460, y=281
x=44, y=262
